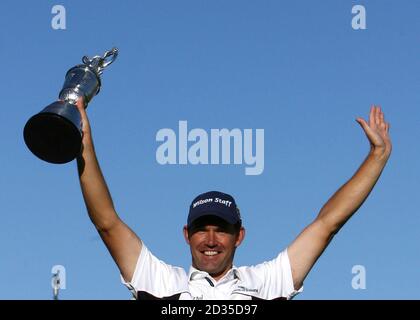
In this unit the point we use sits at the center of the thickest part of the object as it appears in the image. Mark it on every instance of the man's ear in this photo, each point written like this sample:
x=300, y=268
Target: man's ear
x=185, y=230
x=240, y=238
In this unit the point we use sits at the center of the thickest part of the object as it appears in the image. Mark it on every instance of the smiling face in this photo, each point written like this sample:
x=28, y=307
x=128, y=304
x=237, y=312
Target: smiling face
x=213, y=243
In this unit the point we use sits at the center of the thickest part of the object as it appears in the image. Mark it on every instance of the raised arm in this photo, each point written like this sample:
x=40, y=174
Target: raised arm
x=121, y=241
x=309, y=245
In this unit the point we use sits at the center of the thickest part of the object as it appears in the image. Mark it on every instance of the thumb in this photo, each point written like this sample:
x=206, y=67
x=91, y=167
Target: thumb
x=368, y=131
x=363, y=124
x=80, y=104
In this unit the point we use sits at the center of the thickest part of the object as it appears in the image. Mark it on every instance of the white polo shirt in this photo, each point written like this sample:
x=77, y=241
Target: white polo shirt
x=154, y=279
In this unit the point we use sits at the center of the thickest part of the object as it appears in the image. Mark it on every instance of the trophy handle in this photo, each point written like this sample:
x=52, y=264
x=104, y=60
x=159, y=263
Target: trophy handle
x=112, y=55
x=98, y=63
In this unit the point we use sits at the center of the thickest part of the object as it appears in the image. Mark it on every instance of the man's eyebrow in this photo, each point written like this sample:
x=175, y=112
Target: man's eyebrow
x=225, y=228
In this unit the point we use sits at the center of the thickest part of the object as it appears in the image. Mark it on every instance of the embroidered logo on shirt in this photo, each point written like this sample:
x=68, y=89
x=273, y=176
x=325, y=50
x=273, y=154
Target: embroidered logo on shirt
x=245, y=289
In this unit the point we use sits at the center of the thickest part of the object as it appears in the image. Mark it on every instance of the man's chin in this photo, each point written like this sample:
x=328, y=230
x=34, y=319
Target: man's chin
x=213, y=271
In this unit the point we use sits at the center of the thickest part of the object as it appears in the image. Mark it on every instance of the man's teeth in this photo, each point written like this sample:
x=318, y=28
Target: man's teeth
x=210, y=253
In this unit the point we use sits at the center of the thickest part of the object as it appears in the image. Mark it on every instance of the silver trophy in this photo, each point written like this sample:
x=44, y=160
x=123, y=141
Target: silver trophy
x=55, y=134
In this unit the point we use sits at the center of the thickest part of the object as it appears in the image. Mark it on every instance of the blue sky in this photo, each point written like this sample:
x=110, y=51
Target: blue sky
x=296, y=69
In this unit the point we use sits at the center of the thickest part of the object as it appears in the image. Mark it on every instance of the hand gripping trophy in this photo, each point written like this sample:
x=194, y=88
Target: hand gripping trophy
x=55, y=134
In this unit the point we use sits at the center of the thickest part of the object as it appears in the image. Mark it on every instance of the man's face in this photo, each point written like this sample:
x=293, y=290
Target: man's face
x=213, y=243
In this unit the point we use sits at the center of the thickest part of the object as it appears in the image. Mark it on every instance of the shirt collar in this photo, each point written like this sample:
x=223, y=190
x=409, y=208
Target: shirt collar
x=195, y=274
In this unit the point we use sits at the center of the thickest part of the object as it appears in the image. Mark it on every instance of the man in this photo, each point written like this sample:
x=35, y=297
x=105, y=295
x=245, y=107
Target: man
x=214, y=230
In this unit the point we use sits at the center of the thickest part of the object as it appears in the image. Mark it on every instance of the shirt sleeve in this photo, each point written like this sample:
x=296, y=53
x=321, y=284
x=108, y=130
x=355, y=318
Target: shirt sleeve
x=155, y=277
x=276, y=278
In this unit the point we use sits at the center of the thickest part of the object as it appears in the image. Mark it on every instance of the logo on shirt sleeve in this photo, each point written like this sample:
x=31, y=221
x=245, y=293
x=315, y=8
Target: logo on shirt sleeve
x=245, y=289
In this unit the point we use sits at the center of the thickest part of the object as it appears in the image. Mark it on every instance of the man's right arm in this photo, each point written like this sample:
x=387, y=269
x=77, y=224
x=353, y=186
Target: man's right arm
x=121, y=241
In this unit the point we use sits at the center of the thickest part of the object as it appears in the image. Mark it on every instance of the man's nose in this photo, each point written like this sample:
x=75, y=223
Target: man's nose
x=211, y=238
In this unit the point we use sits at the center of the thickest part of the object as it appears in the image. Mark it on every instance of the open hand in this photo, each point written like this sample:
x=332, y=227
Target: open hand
x=377, y=131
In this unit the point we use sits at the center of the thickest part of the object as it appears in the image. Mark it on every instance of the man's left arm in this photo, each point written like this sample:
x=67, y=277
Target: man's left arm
x=312, y=241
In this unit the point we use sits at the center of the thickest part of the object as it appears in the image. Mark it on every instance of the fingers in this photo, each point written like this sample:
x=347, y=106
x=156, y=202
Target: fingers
x=377, y=119
x=80, y=104
x=383, y=125
x=378, y=116
x=372, y=116
x=382, y=120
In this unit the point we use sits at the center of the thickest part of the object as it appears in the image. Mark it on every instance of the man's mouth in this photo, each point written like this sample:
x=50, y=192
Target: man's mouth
x=210, y=252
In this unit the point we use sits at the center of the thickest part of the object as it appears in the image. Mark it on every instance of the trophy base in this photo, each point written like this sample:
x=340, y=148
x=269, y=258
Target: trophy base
x=53, y=137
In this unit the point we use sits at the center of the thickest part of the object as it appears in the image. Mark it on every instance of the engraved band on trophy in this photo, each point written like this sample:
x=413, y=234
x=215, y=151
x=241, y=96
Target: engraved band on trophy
x=55, y=134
